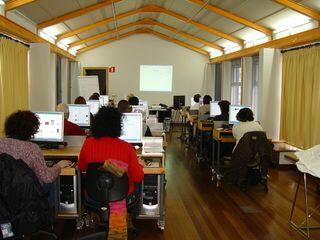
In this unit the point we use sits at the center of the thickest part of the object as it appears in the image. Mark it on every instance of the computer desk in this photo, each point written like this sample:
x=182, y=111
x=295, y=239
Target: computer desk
x=72, y=153
x=202, y=127
x=219, y=136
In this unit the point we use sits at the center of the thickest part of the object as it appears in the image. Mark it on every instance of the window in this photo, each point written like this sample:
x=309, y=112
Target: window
x=236, y=82
x=217, y=87
x=58, y=81
x=255, y=80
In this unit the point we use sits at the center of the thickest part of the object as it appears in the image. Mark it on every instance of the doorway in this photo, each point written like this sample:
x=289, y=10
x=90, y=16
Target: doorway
x=102, y=73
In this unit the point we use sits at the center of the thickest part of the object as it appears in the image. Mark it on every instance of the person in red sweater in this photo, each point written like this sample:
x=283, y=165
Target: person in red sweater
x=104, y=144
x=70, y=129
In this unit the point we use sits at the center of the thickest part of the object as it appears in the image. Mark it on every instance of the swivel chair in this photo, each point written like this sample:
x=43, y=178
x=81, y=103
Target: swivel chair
x=103, y=188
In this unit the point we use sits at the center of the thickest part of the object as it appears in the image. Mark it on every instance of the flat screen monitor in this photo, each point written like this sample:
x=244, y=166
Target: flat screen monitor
x=233, y=111
x=178, y=101
x=214, y=109
x=79, y=114
x=104, y=100
x=143, y=103
x=132, y=127
x=51, y=127
x=141, y=109
x=94, y=106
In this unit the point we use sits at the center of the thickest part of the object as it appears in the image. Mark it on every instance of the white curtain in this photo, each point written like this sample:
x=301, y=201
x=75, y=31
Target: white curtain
x=75, y=71
x=247, y=81
x=208, y=83
x=226, y=81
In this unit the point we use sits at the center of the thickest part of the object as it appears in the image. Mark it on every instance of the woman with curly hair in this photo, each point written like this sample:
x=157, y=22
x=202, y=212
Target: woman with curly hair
x=19, y=129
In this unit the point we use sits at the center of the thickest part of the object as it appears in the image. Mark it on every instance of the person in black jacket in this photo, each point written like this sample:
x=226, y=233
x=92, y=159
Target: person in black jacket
x=224, y=107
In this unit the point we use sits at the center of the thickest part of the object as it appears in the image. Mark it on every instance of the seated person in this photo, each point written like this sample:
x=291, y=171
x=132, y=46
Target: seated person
x=19, y=129
x=196, y=99
x=105, y=145
x=134, y=101
x=124, y=106
x=224, y=107
x=70, y=129
x=205, y=108
x=246, y=124
x=94, y=96
x=80, y=100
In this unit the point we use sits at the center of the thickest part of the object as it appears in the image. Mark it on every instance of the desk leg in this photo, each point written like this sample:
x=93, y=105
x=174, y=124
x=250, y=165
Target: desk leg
x=213, y=159
x=295, y=199
x=161, y=221
x=306, y=203
x=218, y=162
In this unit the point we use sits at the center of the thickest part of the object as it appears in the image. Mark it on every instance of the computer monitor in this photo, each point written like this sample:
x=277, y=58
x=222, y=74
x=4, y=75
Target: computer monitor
x=141, y=109
x=233, y=111
x=94, y=106
x=132, y=127
x=51, y=128
x=104, y=100
x=143, y=103
x=214, y=109
x=178, y=101
x=79, y=114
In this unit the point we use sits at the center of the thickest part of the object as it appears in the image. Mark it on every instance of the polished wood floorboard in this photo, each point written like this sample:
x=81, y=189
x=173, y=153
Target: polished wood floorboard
x=197, y=209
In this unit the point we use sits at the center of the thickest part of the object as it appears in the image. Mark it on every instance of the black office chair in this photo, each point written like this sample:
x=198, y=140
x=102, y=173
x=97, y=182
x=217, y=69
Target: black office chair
x=102, y=188
x=24, y=207
x=250, y=161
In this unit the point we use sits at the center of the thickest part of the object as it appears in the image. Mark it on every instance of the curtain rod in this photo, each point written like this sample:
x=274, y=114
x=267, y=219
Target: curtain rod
x=301, y=47
x=13, y=39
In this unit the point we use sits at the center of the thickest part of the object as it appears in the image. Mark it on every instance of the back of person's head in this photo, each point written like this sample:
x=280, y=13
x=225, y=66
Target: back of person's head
x=224, y=106
x=207, y=99
x=245, y=115
x=130, y=95
x=196, y=98
x=21, y=125
x=107, y=123
x=94, y=96
x=62, y=107
x=80, y=100
x=134, y=101
x=124, y=106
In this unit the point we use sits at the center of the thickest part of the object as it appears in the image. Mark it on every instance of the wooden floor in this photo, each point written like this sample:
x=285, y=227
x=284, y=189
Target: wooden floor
x=197, y=209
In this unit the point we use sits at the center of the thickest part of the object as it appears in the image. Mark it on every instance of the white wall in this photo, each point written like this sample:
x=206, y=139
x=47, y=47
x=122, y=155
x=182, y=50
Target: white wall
x=128, y=54
x=270, y=71
x=41, y=83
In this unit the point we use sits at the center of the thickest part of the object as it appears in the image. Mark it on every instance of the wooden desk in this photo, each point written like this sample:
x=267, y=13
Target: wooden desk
x=192, y=118
x=205, y=125
x=224, y=135
x=202, y=128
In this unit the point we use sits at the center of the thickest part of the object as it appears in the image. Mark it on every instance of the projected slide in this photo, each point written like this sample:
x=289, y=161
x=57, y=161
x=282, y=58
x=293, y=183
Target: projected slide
x=157, y=78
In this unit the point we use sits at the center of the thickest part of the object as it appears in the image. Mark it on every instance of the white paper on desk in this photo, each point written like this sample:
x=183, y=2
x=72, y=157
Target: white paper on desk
x=309, y=161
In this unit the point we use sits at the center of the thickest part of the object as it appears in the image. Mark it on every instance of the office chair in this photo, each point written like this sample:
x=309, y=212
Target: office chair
x=102, y=188
x=250, y=161
x=24, y=207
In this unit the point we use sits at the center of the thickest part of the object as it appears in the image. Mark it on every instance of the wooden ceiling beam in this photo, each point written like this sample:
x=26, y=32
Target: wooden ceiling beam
x=300, y=8
x=76, y=13
x=183, y=44
x=109, y=41
x=13, y=4
x=146, y=21
x=17, y=31
x=234, y=17
x=152, y=8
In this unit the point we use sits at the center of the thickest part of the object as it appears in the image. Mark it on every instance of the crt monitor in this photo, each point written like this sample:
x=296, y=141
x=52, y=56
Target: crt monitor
x=94, y=106
x=214, y=109
x=79, y=114
x=132, y=127
x=51, y=128
x=178, y=101
x=143, y=103
x=141, y=109
x=233, y=111
x=104, y=100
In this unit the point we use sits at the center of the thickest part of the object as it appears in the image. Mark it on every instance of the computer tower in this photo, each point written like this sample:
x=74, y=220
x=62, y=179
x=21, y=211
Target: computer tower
x=67, y=197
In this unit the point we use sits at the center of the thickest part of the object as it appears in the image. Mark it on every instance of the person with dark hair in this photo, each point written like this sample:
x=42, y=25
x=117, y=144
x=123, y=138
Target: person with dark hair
x=196, y=99
x=224, y=107
x=205, y=108
x=80, y=100
x=134, y=101
x=246, y=124
x=20, y=127
x=104, y=144
x=124, y=106
x=94, y=96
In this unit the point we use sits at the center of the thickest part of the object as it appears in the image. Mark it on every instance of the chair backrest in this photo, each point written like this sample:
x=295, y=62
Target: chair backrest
x=98, y=180
x=22, y=198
